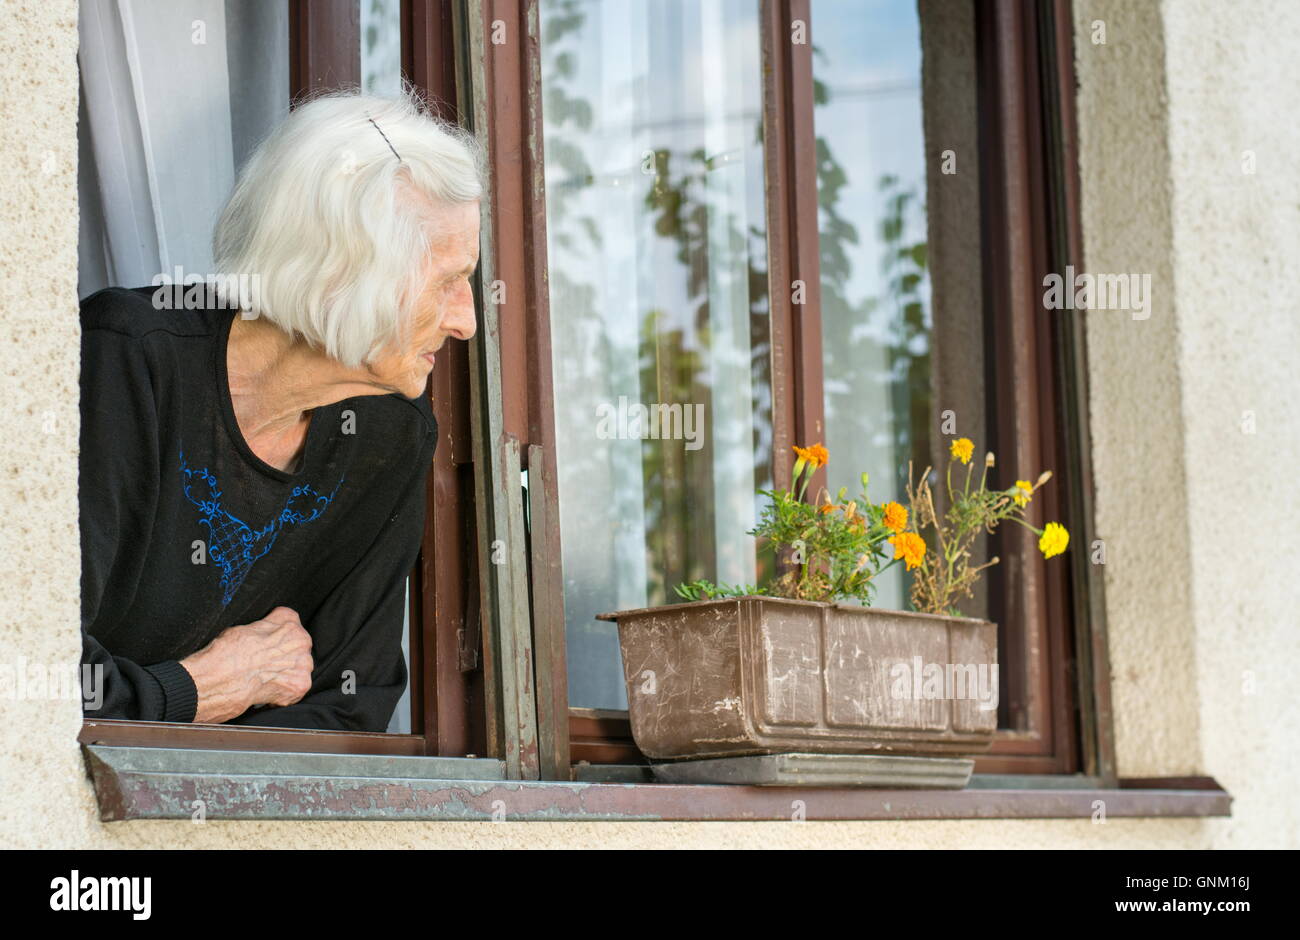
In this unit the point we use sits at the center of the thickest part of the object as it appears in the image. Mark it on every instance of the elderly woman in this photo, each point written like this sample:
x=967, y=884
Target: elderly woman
x=253, y=483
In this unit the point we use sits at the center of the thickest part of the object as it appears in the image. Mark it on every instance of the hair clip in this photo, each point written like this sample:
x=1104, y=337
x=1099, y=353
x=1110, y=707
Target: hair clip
x=386, y=140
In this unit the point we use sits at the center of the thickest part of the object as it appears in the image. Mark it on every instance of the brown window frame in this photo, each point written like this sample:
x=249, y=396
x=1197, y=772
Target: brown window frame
x=1051, y=617
x=471, y=663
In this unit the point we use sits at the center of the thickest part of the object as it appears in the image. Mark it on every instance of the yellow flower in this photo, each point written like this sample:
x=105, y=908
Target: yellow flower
x=1053, y=540
x=1026, y=491
x=910, y=547
x=895, y=517
x=962, y=448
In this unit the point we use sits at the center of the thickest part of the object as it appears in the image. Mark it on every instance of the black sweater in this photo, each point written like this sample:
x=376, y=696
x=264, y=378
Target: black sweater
x=185, y=531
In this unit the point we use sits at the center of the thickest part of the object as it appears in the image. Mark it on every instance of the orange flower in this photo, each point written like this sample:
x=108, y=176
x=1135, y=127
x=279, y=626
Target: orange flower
x=817, y=455
x=895, y=517
x=910, y=547
x=827, y=508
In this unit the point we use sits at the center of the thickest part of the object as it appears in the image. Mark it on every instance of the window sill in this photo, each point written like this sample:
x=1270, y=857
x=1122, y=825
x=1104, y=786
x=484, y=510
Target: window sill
x=161, y=783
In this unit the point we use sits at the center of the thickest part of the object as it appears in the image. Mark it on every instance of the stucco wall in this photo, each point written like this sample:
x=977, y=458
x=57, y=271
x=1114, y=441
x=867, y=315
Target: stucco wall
x=1199, y=518
x=1234, y=84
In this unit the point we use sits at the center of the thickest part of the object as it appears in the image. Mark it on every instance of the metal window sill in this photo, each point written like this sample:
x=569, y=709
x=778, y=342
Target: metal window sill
x=162, y=783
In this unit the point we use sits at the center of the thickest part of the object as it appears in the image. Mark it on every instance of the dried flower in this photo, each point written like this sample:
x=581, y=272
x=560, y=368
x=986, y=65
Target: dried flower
x=950, y=572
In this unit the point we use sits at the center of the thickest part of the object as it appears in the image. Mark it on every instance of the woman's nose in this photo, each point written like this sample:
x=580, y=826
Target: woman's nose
x=460, y=321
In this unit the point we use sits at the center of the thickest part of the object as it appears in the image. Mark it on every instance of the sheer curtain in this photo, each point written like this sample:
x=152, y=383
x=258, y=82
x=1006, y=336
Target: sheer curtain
x=174, y=96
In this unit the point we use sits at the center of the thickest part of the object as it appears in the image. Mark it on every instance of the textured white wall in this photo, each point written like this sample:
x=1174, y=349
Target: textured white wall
x=1200, y=520
x=1233, y=87
x=1136, y=388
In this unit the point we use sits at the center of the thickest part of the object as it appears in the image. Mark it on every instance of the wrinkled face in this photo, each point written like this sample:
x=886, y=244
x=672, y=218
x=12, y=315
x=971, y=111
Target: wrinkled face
x=445, y=306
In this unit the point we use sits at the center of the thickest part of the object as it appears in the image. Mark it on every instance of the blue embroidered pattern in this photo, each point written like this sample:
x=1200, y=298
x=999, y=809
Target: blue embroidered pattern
x=232, y=543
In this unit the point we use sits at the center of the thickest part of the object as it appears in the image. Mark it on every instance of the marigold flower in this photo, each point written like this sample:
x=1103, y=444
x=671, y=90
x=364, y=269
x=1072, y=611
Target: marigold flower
x=1053, y=540
x=810, y=458
x=827, y=508
x=895, y=517
x=962, y=448
x=817, y=455
x=910, y=547
x=1026, y=491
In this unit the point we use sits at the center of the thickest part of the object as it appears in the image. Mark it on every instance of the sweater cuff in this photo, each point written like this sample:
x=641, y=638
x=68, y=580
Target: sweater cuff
x=180, y=696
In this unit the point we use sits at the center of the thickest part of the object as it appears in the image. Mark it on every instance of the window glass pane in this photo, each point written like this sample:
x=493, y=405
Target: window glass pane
x=898, y=184
x=875, y=286
x=656, y=245
x=381, y=47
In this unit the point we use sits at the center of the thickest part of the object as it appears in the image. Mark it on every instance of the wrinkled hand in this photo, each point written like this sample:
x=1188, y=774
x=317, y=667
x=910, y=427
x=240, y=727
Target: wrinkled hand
x=266, y=662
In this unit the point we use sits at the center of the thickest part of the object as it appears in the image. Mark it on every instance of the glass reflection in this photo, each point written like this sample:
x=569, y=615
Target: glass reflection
x=875, y=285
x=658, y=292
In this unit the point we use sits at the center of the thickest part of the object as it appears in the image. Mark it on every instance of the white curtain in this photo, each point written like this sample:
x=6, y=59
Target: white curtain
x=174, y=97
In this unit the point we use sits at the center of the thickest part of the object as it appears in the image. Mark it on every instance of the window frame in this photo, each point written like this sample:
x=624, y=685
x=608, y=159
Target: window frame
x=471, y=664
x=1038, y=386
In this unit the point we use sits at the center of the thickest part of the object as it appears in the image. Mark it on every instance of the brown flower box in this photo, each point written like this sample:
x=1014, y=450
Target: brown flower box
x=763, y=675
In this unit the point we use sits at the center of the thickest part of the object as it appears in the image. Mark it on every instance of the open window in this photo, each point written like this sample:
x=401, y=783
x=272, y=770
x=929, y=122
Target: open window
x=820, y=220
x=196, y=85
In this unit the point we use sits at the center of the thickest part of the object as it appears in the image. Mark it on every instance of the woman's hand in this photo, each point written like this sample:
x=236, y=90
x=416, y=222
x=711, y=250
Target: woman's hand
x=266, y=662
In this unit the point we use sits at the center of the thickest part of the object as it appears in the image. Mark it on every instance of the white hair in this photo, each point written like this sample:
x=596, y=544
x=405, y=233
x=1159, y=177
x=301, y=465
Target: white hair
x=333, y=215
